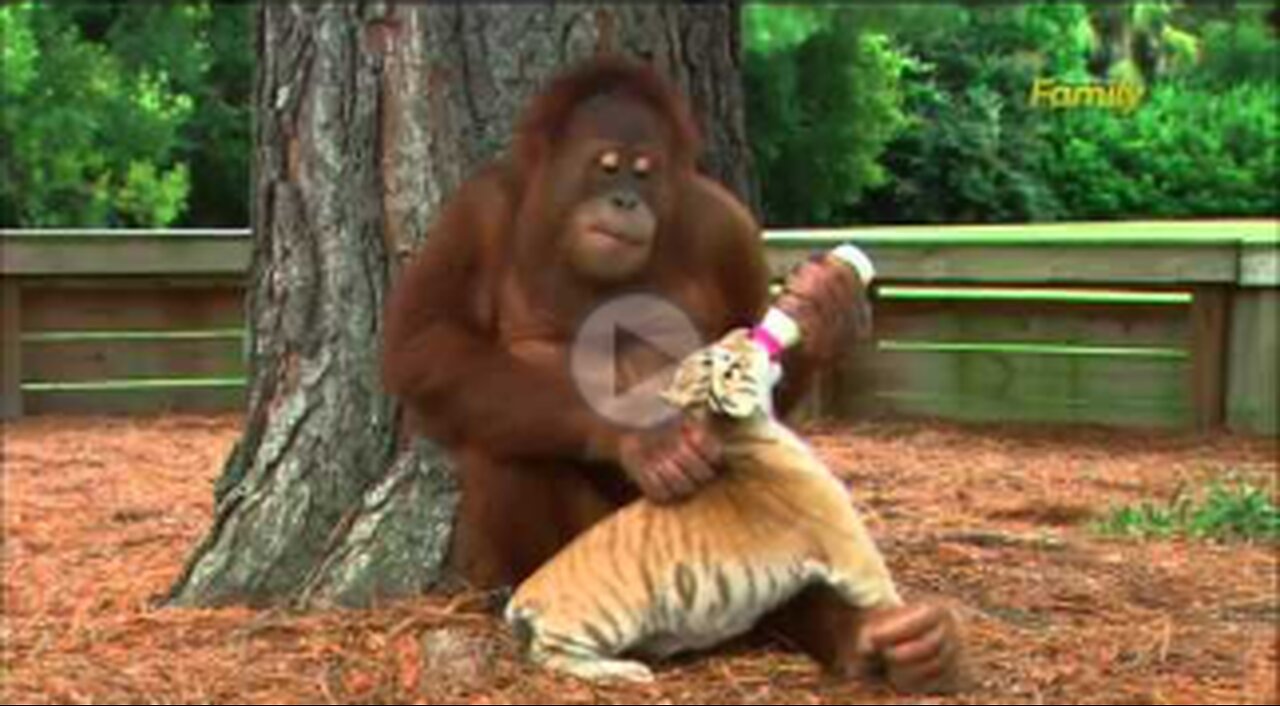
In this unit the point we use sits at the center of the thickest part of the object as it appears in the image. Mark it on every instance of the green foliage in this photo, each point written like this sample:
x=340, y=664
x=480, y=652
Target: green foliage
x=771, y=28
x=221, y=144
x=149, y=194
x=974, y=148
x=1227, y=511
x=138, y=114
x=1187, y=151
x=966, y=158
x=1239, y=50
x=948, y=133
x=827, y=90
x=18, y=50
x=108, y=111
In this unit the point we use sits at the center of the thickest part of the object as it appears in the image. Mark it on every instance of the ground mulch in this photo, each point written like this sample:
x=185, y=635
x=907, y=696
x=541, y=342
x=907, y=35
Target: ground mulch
x=100, y=513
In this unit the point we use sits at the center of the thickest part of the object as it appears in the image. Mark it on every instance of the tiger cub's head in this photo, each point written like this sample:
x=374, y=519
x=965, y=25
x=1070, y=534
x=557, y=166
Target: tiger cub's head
x=732, y=377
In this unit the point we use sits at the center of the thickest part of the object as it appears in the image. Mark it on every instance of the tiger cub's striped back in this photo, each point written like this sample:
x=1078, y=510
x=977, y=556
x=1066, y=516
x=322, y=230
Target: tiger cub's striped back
x=653, y=580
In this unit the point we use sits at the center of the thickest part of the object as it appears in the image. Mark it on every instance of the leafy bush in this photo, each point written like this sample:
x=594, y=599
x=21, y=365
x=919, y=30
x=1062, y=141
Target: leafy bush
x=974, y=149
x=115, y=114
x=823, y=100
x=1186, y=152
x=1240, y=49
x=945, y=132
x=967, y=157
x=76, y=124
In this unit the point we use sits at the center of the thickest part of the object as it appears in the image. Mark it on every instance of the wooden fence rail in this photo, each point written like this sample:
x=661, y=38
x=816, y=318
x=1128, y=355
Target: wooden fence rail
x=1168, y=324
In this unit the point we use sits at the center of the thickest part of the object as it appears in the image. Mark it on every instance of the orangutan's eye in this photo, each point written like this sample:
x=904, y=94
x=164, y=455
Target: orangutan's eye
x=610, y=161
x=643, y=166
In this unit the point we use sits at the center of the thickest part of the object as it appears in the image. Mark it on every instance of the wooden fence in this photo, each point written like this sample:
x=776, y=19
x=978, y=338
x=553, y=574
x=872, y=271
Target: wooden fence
x=1171, y=324
x=123, y=321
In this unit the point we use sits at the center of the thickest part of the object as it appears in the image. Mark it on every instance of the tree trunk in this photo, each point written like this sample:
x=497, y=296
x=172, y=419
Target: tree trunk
x=368, y=116
x=1114, y=26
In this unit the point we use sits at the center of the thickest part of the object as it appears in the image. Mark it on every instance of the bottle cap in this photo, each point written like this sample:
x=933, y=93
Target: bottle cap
x=854, y=257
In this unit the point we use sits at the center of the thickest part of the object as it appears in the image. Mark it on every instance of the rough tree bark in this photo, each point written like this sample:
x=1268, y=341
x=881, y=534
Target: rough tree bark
x=368, y=115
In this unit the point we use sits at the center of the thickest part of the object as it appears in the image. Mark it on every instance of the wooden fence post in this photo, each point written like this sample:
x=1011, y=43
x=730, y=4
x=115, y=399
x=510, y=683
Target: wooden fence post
x=1209, y=327
x=1254, y=401
x=11, y=350
x=1253, y=398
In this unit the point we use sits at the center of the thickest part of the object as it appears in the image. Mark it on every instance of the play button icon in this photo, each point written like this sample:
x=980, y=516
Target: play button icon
x=626, y=352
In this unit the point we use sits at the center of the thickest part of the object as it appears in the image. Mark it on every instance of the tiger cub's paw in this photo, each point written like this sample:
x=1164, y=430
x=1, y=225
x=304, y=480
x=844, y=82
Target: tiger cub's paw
x=601, y=669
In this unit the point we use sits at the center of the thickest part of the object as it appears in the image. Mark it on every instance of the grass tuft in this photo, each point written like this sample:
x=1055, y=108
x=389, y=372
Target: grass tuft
x=1226, y=511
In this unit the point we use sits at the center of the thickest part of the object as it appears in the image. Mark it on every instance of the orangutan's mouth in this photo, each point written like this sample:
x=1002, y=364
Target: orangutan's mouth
x=618, y=236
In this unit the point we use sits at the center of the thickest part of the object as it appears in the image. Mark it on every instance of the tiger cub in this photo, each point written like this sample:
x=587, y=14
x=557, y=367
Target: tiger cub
x=653, y=580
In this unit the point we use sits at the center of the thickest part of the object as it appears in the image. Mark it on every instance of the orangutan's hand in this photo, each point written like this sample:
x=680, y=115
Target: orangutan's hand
x=830, y=305
x=919, y=645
